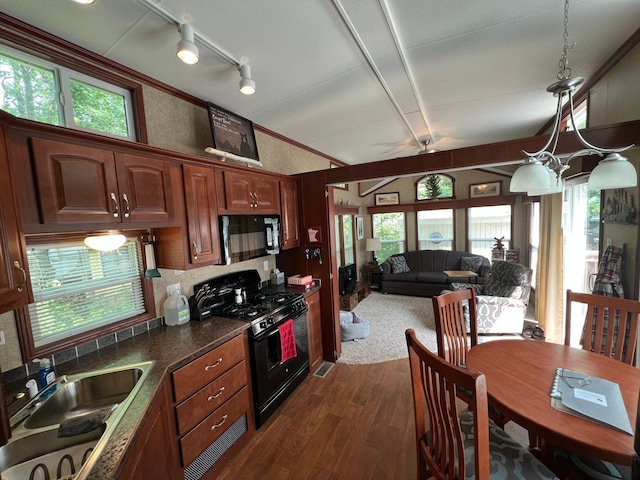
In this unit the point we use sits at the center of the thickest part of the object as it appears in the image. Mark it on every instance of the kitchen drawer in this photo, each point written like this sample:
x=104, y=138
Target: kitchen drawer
x=198, y=440
x=192, y=377
x=190, y=412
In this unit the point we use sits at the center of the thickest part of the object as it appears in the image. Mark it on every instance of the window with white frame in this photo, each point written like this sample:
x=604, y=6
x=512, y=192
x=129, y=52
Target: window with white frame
x=390, y=229
x=77, y=289
x=534, y=239
x=39, y=90
x=485, y=225
x=435, y=229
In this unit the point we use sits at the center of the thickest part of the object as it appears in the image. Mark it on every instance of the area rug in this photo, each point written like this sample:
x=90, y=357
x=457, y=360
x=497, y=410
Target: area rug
x=390, y=316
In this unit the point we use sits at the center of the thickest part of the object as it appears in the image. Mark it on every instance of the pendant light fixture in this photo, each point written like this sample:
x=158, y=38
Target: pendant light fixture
x=541, y=173
x=187, y=50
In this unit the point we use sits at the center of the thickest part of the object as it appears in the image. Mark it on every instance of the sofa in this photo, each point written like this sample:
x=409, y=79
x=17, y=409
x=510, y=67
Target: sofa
x=420, y=272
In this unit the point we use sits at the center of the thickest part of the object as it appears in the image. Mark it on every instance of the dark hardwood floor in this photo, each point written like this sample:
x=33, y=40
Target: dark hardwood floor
x=357, y=422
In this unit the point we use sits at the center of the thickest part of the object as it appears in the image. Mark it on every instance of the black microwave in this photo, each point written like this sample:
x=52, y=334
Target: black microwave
x=244, y=237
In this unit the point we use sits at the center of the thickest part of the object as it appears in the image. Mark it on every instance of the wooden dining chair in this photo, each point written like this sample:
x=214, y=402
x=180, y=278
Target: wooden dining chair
x=457, y=332
x=455, y=314
x=454, y=442
x=611, y=325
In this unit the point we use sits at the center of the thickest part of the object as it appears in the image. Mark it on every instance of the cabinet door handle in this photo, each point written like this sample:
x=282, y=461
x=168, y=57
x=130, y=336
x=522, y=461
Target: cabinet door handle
x=116, y=211
x=253, y=199
x=255, y=195
x=218, y=425
x=209, y=367
x=194, y=250
x=20, y=287
x=220, y=392
x=126, y=205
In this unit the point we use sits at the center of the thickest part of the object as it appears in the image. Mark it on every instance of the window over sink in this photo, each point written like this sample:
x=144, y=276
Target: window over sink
x=80, y=292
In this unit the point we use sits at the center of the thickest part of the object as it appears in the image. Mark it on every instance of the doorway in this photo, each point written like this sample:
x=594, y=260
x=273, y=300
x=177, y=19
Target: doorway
x=581, y=245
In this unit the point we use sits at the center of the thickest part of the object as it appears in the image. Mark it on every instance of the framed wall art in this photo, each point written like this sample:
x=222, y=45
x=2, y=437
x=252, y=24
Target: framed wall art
x=232, y=133
x=489, y=189
x=387, y=198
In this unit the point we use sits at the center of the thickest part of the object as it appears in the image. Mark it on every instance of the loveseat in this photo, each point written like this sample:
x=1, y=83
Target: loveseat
x=420, y=272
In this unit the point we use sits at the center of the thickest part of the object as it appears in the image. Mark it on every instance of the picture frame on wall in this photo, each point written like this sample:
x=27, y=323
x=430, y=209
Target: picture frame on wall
x=392, y=198
x=359, y=228
x=232, y=133
x=488, y=189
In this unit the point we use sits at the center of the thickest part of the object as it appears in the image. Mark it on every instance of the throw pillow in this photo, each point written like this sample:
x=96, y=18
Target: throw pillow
x=471, y=263
x=399, y=264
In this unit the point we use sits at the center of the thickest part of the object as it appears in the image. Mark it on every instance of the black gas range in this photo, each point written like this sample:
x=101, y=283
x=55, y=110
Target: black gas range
x=276, y=367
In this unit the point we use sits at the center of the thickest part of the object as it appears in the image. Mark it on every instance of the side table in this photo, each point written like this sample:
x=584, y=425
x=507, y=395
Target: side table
x=373, y=270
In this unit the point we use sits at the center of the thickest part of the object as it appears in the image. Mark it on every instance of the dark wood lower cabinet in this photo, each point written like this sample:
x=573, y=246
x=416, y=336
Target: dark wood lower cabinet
x=314, y=326
x=152, y=455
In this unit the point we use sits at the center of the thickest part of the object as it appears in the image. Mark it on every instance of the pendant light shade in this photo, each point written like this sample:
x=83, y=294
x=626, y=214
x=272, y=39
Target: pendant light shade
x=530, y=175
x=105, y=243
x=556, y=185
x=187, y=50
x=614, y=171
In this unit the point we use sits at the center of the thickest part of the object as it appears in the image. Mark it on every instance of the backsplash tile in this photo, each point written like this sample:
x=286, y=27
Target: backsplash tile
x=30, y=369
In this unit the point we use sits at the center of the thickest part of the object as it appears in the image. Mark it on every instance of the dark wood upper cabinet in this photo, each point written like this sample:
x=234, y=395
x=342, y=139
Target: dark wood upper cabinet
x=14, y=288
x=145, y=188
x=79, y=184
x=202, y=214
x=290, y=223
x=249, y=193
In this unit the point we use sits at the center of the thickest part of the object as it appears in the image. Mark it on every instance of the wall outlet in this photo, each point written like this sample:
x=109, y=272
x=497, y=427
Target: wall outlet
x=266, y=265
x=2, y=340
x=175, y=287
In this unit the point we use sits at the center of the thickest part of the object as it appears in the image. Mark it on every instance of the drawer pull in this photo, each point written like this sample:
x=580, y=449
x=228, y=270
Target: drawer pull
x=209, y=367
x=211, y=397
x=224, y=419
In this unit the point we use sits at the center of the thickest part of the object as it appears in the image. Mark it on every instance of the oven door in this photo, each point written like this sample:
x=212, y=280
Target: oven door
x=271, y=375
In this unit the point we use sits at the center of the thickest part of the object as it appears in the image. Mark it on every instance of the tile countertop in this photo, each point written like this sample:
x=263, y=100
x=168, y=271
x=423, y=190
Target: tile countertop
x=170, y=348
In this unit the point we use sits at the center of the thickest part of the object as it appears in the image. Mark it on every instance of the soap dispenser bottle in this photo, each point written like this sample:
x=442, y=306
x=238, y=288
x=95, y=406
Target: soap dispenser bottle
x=46, y=375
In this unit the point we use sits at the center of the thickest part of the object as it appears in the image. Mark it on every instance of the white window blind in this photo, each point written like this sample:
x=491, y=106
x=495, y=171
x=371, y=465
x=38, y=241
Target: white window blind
x=77, y=289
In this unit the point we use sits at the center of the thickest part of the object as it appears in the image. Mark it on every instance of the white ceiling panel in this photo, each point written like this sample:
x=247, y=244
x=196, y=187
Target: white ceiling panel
x=331, y=74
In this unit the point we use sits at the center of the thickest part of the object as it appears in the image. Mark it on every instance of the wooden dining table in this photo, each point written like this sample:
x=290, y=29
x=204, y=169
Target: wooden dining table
x=519, y=376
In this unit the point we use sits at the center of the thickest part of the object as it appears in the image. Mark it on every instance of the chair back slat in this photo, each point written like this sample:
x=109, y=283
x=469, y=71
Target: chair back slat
x=611, y=325
x=451, y=326
x=435, y=383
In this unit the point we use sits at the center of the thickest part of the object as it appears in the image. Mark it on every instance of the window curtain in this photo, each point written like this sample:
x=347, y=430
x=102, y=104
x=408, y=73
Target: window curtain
x=549, y=294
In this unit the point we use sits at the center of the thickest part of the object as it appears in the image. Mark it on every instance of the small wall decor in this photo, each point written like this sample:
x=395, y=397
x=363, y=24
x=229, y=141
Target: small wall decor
x=387, y=198
x=489, y=189
x=314, y=235
x=232, y=133
x=359, y=228
x=619, y=207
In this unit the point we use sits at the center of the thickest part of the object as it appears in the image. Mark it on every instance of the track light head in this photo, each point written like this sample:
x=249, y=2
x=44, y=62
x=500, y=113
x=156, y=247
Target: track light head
x=247, y=85
x=187, y=50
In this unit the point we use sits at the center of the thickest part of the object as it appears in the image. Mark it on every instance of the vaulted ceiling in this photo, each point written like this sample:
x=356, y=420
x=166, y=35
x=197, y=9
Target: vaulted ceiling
x=357, y=80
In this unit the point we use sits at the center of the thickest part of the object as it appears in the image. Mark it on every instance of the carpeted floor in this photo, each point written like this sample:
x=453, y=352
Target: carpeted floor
x=390, y=316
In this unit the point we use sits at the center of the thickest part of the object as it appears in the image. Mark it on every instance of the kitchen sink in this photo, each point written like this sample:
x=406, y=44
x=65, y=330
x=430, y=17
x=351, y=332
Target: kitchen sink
x=87, y=394
x=44, y=451
x=52, y=432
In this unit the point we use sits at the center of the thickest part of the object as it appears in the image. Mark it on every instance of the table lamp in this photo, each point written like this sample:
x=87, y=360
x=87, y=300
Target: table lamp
x=373, y=245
